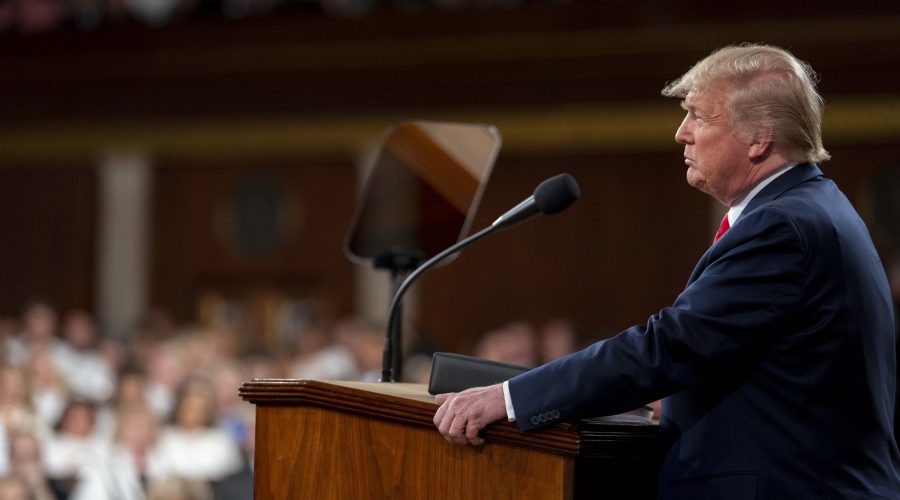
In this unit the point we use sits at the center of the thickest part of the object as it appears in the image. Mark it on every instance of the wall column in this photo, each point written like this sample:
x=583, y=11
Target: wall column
x=123, y=241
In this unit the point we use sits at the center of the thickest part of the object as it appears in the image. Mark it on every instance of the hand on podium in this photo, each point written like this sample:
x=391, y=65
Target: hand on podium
x=463, y=415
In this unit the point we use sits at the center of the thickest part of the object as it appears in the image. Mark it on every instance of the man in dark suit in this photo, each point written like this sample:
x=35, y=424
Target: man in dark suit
x=777, y=361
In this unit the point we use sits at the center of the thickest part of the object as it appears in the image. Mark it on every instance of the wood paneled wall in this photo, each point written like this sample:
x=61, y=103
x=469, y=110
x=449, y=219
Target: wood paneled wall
x=294, y=97
x=48, y=230
x=216, y=233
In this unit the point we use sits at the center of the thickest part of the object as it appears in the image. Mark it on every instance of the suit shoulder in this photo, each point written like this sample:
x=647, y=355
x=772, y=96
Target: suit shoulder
x=814, y=204
x=820, y=215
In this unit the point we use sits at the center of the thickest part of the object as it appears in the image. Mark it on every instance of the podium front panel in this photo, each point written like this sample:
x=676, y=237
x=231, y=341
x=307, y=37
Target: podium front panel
x=353, y=440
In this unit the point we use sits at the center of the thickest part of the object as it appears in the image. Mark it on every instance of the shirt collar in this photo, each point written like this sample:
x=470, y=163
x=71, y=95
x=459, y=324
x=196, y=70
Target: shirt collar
x=735, y=211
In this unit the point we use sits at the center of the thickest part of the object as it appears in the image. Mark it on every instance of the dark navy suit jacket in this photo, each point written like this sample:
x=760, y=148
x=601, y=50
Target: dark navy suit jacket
x=777, y=362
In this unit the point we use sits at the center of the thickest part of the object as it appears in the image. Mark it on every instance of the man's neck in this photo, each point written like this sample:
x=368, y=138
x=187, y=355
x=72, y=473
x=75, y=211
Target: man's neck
x=759, y=172
x=738, y=207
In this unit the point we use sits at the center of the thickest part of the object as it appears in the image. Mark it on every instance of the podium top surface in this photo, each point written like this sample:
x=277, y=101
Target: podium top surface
x=418, y=392
x=410, y=404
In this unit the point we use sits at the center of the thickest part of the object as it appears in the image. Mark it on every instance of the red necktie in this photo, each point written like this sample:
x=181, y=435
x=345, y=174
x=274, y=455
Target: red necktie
x=724, y=226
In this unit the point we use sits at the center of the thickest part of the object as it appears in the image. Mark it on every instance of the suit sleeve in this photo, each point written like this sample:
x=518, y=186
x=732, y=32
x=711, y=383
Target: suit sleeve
x=749, y=291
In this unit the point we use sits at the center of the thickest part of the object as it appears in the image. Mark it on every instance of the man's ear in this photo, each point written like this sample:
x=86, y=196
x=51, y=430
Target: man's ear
x=761, y=144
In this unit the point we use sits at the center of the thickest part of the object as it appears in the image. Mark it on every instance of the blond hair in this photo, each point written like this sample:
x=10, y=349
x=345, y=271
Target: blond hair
x=768, y=89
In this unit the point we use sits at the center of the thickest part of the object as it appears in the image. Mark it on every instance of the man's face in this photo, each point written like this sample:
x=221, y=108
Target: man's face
x=718, y=161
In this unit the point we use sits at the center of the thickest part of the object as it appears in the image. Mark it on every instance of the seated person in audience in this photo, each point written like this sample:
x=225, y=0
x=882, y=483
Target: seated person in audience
x=234, y=414
x=16, y=409
x=366, y=342
x=165, y=370
x=71, y=446
x=39, y=323
x=558, y=338
x=130, y=392
x=192, y=446
x=178, y=488
x=319, y=357
x=49, y=390
x=117, y=469
x=80, y=360
x=13, y=488
x=513, y=343
x=25, y=464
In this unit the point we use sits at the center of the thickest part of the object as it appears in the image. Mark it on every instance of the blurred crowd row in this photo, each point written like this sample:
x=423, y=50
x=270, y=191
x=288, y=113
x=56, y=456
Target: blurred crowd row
x=87, y=418
x=158, y=416
x=32, y=16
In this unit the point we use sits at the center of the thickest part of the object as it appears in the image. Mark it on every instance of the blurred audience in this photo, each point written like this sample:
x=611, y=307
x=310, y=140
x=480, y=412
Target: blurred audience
x=514, y=343
x=118, y=467
x=80, y=360
x=366, y=343
x=178, y=488
x=234, y=415
x=49, y=390
x=13, y=488
x=165, y=369
x=39, y=323
x=16, y=410
x=33, y=16
x=320, y=357
x=193, y=446
x=558, y=338
x=72, y=445
x=157, y=415
x=25, y=463
x=130, y=393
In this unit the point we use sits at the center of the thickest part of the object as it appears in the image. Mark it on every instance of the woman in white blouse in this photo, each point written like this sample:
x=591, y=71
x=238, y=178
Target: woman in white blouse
x=192, y=446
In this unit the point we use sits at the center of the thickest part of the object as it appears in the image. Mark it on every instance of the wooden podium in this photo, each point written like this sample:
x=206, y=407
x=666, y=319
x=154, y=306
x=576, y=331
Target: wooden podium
x=355, y=440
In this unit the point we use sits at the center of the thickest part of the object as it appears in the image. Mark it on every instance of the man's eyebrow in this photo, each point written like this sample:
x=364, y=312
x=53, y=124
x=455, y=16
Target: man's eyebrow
x=684, y=105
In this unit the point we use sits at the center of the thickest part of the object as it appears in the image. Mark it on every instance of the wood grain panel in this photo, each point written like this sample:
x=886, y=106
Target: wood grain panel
x=329, y=440
x=375, y=459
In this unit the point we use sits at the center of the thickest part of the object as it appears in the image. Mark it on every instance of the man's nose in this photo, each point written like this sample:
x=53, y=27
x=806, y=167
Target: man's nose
x=682, y=134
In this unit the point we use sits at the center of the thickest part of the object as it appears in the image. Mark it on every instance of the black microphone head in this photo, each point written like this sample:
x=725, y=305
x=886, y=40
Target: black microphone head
x=556, y=194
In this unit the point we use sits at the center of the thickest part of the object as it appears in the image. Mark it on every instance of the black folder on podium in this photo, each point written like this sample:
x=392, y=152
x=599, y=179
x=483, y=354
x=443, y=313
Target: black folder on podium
x=455, y=372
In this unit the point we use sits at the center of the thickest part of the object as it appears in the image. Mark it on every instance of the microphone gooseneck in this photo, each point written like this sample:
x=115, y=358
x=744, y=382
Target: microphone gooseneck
x=550, y=197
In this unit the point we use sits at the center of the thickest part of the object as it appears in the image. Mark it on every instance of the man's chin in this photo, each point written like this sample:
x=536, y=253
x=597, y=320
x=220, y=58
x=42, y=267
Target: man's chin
x=693, y=181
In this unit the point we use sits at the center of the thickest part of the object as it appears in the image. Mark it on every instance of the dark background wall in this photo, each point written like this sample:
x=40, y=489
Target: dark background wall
x=48, y=218
x=286, y=102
